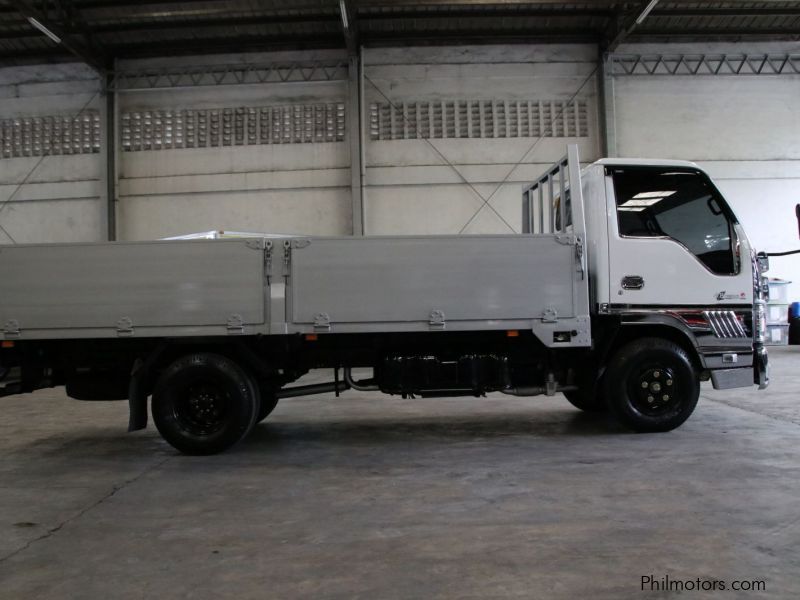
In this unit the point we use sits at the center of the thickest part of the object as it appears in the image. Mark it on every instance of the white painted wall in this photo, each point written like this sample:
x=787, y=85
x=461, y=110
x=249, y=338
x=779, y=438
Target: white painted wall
x=282, y=188
x=411, y=188
x=60, y=200
x=745, y=130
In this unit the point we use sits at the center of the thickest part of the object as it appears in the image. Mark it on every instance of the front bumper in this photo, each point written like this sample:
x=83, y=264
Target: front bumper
x=742, y=377
x=760, y=366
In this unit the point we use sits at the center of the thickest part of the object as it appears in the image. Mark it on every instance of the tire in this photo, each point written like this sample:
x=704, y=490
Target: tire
x=587, y=400
x=268, y=402
x=588, y=397
x=651, y=385
x=204, y=404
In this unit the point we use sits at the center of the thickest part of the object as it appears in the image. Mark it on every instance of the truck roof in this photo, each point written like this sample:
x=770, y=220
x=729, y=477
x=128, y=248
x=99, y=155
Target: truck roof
x=646, y=162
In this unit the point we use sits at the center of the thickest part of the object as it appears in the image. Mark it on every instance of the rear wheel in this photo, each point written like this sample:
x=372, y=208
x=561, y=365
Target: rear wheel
x=269, y=400
x=204, y=404
x=651, y=385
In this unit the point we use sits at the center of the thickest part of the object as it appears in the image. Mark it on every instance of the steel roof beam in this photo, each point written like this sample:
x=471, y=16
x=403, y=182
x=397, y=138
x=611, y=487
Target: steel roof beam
x=241, y=44
x=349, y=26
x=455, y=13
x=725, y=12
x=57, y=33
x=630, y=23
x=216, y=22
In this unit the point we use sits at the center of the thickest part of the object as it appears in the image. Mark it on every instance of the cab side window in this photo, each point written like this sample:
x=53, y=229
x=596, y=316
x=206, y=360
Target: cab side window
x=680, y=204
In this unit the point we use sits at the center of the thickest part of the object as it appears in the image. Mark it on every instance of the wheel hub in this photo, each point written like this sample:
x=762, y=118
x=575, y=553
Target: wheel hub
x=655, y=390
x=203, y=410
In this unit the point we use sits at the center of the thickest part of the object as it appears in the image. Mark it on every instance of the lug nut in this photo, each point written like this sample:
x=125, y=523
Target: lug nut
x=666, y=397
x=657, y=374
x=669, y=381
x=644, y=385
x=650, y=398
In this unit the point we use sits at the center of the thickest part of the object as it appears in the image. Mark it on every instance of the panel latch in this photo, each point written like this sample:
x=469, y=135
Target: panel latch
x=287, y=258
x=268, y=260
x=579, y=257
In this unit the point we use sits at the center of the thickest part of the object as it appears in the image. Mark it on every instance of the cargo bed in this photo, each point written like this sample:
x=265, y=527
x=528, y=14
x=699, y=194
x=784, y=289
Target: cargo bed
x=297, y=285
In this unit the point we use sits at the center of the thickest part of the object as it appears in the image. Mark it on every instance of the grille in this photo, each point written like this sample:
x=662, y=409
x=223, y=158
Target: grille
x=725, y=324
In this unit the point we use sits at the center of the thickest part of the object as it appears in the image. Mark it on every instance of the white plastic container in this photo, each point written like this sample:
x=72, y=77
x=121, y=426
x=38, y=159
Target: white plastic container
x=777, y=335
x=779, y=291
x=777, y=314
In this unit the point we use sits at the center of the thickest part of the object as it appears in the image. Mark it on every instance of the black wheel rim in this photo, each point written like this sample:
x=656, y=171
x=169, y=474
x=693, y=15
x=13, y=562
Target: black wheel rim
x=202, y=408
x=654, y=391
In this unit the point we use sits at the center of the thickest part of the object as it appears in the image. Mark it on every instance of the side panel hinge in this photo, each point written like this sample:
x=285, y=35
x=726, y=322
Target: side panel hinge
x=437, y=320
x=550, y=315
x=125, y=327
x=11, y=329
x=322, y=322
x=235, y=324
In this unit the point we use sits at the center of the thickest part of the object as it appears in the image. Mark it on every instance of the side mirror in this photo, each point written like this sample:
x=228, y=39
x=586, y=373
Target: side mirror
x=763, y=262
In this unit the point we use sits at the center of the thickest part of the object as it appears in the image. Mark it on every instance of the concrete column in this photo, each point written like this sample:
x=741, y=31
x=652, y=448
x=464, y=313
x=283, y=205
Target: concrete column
x=108, y=153
x=355, y=134
x=608, y=115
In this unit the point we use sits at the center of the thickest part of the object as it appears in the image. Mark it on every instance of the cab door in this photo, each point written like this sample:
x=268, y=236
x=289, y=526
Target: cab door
x=673, y=240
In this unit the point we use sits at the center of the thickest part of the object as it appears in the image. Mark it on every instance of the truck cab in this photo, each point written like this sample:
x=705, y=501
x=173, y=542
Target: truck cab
x=666, y=248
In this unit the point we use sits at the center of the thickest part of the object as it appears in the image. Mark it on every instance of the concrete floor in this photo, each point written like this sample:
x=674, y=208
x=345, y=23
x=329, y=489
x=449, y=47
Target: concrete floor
x=372, y=497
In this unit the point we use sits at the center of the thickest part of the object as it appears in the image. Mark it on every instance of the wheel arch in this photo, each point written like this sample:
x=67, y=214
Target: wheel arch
x=633, y=326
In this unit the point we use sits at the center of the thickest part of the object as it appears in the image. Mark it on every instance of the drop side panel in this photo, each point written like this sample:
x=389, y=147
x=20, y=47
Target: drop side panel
x=426, y=283
x=141, y=288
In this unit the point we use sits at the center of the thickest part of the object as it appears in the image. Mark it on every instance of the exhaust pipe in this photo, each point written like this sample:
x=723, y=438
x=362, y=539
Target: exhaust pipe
x=367, y=385
x=538, y=390
x=307, y=390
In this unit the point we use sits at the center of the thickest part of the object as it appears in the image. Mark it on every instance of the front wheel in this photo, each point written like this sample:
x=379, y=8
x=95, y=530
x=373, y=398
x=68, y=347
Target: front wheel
x=585, y=400
x=204, y=403
x=588, y=397
x=651, y=385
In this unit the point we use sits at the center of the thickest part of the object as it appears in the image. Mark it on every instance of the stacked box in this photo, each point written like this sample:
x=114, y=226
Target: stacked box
x=778, y=313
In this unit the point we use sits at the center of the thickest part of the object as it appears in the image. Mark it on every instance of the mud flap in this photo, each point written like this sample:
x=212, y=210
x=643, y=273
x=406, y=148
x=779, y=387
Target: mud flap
x=137, y=397
x=139, y=387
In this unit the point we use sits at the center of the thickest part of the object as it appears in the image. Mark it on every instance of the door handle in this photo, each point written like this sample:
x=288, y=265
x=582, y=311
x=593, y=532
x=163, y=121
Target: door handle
x=632, y=282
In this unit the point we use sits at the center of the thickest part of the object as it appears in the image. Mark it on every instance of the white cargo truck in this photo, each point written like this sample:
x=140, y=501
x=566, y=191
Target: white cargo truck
x=631, y=283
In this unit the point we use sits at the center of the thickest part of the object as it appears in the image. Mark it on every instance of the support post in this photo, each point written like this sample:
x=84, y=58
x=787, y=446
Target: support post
x=109, y=157
x=608, y=114
x=354, y=120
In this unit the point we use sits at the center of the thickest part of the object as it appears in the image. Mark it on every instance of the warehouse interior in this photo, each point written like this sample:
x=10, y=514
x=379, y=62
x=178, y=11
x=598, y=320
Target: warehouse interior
x=150, y=119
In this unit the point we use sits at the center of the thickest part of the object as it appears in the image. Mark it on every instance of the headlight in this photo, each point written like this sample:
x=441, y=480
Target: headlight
x=760, y=322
